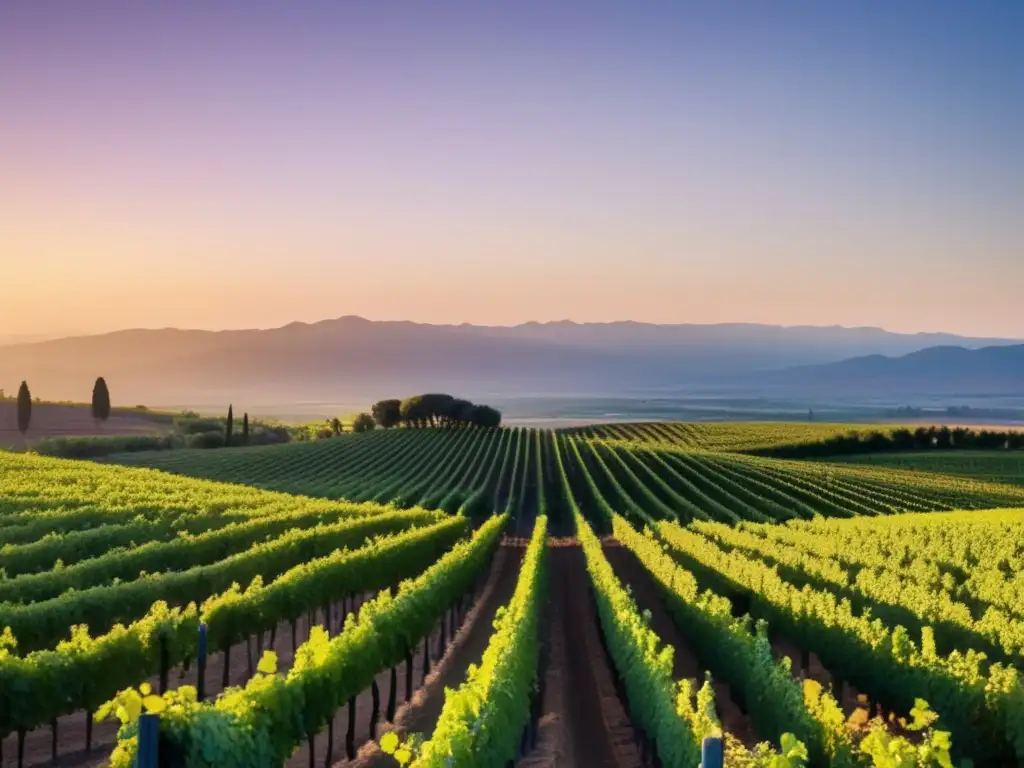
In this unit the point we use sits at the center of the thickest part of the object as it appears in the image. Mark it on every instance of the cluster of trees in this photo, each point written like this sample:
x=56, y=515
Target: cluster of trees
x=902, y=439
x=434, y=410
x=100, y=405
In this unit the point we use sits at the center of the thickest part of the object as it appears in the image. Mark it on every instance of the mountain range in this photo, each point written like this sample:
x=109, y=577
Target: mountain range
x=940, y=370
x=354, y=358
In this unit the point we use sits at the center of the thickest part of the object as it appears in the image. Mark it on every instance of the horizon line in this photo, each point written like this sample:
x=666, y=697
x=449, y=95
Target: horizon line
x=43, y=338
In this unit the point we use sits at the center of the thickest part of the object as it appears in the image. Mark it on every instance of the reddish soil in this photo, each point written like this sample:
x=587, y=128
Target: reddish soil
x=686, y=666
x=50, y=420
x=583, y=722
x=551, y=740
x=420, y=714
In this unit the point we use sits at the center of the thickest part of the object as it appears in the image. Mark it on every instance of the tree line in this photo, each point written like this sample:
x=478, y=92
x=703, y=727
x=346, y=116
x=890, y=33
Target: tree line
x=901, y=439
x=434, y=410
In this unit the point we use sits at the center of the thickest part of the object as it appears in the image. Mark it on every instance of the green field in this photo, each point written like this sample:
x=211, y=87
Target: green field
x=989, y=466
x=512, y=470
x=798, y=586
x=719, y=436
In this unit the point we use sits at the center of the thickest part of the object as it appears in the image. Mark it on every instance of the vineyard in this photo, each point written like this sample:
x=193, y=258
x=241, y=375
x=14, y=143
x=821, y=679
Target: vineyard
x=513, y=470
x=995, y=467
x=714, y=436
x=613, y=595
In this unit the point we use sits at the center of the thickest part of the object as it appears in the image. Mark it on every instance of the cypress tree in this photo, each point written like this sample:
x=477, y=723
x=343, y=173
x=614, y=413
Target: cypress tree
x=24, y=408
x=230, y=426
x=100, y=400
x=245, y=429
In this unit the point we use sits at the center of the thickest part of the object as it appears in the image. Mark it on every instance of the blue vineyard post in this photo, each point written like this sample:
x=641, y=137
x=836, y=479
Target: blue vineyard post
x=149, y=740
x=712, y=753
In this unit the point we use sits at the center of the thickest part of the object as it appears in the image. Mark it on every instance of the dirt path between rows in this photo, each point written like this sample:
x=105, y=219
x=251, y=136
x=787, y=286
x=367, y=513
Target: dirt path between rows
x=583, y=722
x=686, y=666
x=420, y=714
x=550, y=746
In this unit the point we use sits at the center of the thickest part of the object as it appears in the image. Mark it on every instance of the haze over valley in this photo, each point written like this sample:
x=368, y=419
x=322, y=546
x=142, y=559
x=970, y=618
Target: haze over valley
x=311, y=369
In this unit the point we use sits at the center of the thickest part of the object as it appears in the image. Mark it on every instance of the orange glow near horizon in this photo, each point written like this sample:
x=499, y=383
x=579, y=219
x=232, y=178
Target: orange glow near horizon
x=671, y=166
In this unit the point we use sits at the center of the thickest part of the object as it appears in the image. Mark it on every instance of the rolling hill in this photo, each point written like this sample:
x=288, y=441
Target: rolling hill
x=941, y=370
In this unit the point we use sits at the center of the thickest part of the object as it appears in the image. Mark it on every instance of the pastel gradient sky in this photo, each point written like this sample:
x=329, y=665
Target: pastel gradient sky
x=223, y=164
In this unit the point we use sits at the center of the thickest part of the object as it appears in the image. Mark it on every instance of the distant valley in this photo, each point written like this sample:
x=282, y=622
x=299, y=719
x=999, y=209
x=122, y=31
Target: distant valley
x=351, y=359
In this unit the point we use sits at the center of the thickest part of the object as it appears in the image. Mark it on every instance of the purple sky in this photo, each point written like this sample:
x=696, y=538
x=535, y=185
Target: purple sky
x=239, y=164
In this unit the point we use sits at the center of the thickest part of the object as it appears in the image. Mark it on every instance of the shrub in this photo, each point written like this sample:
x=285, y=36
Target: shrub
x=198, y=425
x=212, y=439
x=98, y=446
x=268, y=434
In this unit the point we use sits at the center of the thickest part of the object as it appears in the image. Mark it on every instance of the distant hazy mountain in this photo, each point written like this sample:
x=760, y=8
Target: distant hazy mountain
x=943, y=370
x=355, y=358
x=27, y=338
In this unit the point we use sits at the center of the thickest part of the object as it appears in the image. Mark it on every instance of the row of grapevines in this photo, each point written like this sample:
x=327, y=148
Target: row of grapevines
x=475, y=480
x=721, y=436
x=43, y=624
x=661, y=707
x=183, y=552
x=84, y=671
x=747, y=492
x=271, y=465
x=402, y=477
x=261, y=724
x=481, y=501
x=432, y=468
x=695, y=504
x=656, y=703
x=39, y=495
x=982, y=708
x=575, y=459
x=933, y=491
x=768, y=688
x=974, y=556
x=482, y=721
x=889, y=595
x=668, y=483
x=777, y=703
x=740, y=657
x=57, y=549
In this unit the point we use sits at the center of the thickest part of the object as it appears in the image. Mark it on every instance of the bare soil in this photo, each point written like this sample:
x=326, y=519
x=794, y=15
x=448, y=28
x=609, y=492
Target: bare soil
x=584, y=723
x=50, y=420
x=421, y=712
x=686, y=666
x=551, y=745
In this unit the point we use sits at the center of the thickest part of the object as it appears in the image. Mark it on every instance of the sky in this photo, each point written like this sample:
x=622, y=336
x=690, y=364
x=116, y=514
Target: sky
x=215, y=164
